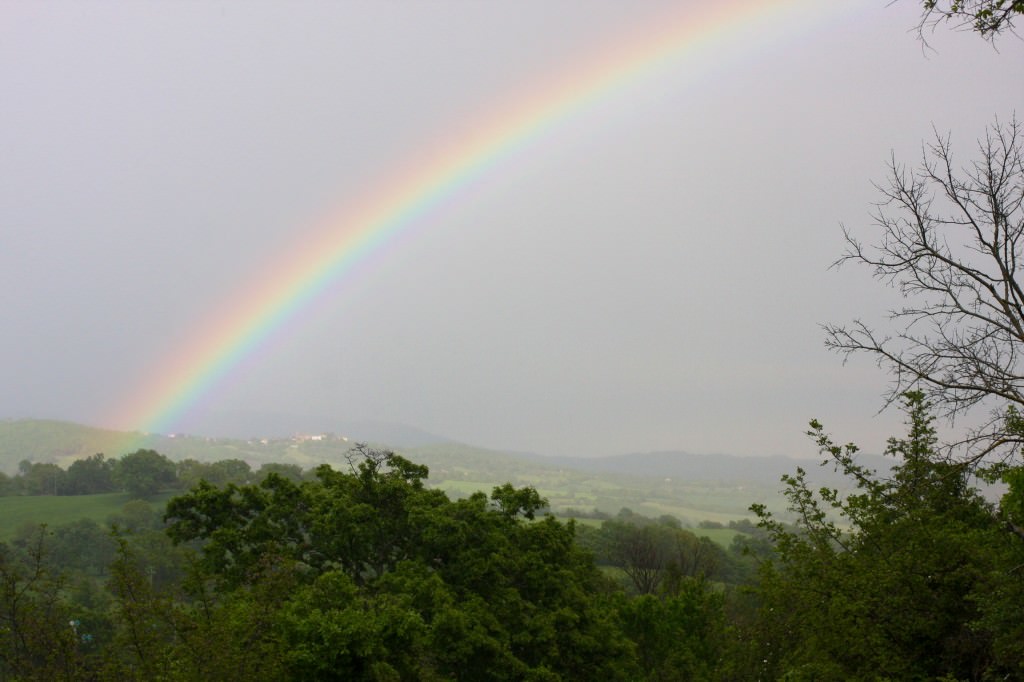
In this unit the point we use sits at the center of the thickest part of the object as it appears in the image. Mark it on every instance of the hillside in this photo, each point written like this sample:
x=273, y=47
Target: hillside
x=688, y=486
x=42, y=440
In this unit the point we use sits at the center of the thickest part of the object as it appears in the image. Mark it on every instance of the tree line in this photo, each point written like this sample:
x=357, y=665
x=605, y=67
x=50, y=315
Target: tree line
x=141, y=474
x=368, y=574
x=358, y=574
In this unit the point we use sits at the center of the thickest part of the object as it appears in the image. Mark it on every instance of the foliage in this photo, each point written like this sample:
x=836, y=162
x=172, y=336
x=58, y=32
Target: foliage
x=82, y=545
x=144, y=473
x=142, y=623
x=656, y=556
x=681, y=636
x=89, y=476
x=36, y=641
x=389, y=579
x=189, y=472
x=370, y=574
x=293, y=472
x=898, y=580
x=40, y=478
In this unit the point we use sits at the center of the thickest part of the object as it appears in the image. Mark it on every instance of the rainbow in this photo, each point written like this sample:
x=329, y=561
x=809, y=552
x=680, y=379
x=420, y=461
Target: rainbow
x=692, y=41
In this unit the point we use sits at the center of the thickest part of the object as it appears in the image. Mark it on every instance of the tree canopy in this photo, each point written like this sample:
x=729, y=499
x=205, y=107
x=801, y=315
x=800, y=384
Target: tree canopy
x=144, y=473
x=909, y=577
x=467, y=589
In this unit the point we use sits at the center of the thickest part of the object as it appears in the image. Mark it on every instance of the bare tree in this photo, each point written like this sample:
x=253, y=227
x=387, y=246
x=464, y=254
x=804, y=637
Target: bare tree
x=642, y=552
x=951, y=240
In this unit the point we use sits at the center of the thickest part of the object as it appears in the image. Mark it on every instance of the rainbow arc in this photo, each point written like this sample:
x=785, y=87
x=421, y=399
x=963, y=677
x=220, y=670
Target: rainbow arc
x=685, y=42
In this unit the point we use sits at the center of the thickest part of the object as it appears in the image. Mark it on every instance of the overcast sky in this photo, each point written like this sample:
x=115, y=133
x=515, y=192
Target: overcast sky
x=649, y=275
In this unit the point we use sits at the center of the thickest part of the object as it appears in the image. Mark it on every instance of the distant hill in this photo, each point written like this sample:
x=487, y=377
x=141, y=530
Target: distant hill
x=248, y=424
x=41, y=440
x=689, y=486
x=735, y=469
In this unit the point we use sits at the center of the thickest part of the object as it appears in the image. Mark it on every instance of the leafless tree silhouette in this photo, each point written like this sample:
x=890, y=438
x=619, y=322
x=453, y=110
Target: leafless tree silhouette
x=951, y=241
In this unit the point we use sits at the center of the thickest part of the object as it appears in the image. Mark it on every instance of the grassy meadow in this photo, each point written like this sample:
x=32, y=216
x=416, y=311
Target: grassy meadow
x=52, y=510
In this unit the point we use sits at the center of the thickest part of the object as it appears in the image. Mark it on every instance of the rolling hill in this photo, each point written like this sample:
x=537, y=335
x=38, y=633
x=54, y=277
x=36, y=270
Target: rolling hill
x=689, y=486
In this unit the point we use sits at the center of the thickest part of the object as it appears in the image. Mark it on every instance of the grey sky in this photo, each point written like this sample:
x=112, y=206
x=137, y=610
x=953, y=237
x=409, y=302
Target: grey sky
x=650, y=275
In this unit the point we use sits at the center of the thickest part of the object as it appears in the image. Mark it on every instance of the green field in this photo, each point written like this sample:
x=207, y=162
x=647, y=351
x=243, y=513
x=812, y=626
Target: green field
x=17, y=511
x=723, y=537
x=689, y=503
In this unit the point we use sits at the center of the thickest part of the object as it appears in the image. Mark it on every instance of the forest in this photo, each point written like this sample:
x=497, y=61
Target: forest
x=367, y=573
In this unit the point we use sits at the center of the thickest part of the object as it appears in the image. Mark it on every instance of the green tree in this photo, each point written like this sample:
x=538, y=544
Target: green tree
x=90, y=475
x=81, y=545
x=892, y=581
x=141, y=646
x=229, y=471
x=654, y=556
x=37, y=636
x=7, y=484
x=144, y=473
x=136, y=516
x=681, y=636
x=41, y=478
x=642, y=552
x=293, y=472
x=189, y=472
x=379, y=577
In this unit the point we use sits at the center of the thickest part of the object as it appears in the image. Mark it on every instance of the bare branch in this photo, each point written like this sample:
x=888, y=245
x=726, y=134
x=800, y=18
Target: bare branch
x=950, y=239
